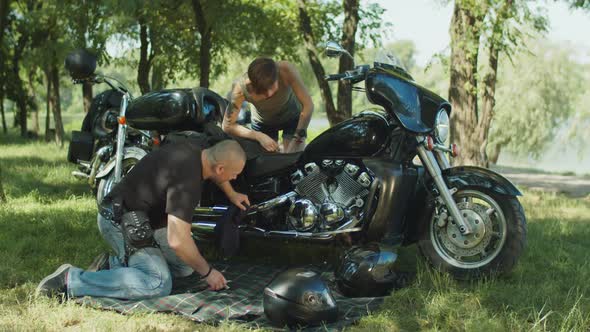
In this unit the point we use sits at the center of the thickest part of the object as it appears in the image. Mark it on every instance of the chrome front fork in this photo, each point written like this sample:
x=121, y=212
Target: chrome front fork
x=429, y=160
x=121, y=135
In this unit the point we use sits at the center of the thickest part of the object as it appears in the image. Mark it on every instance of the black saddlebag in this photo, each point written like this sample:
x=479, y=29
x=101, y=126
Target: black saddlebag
x=81, y=146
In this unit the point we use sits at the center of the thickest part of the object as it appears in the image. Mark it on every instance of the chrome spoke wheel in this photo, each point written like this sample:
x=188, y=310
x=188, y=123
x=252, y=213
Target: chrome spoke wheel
x=479, y=248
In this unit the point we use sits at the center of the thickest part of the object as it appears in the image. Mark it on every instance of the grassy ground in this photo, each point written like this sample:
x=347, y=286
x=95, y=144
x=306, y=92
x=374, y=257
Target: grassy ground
x=50, y=219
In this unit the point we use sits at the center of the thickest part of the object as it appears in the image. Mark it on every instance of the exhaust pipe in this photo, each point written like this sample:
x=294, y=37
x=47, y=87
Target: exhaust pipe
x=208, y=228
x=218, y=211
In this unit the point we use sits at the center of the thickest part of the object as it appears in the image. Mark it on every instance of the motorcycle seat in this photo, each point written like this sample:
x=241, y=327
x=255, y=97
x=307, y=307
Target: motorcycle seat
x=268, y=163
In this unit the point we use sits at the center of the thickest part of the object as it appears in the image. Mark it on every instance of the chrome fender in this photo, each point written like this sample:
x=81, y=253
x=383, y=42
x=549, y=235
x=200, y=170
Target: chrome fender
x=128, y=153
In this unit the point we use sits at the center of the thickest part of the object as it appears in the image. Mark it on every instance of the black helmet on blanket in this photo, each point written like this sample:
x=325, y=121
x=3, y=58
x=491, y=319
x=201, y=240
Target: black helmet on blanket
x=366, y=271
x=299, y=297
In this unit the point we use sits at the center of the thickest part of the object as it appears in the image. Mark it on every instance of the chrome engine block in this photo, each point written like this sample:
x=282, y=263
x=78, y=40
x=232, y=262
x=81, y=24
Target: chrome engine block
x=329, y=195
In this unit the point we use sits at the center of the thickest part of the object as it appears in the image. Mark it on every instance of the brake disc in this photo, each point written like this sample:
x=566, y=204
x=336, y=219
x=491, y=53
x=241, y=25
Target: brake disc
x=474, y=243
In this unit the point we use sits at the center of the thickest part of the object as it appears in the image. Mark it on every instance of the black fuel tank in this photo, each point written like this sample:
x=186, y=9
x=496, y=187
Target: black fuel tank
x=365, y=135
x=175, y=109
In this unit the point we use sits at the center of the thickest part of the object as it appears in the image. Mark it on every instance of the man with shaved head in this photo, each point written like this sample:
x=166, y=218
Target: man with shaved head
x=151, y=235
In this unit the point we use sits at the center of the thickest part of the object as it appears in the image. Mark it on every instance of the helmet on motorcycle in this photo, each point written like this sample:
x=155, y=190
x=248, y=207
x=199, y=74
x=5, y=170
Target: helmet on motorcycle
x=299, y=297
x=80, y=64
x=366, y=271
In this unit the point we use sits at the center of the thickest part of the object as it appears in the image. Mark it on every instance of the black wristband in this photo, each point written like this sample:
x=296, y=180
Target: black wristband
x=301, y=133
x=208, y=273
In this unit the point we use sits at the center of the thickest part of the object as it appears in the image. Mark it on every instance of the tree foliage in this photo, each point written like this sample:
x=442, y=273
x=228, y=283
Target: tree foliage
x=482, y=31
x=317, y=26
x=537, y=95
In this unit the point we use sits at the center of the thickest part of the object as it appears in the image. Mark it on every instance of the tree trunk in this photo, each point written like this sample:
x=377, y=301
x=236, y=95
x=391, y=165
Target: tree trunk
x=87, y=96
x=206, y=43
x=488, y=103
x=318, y=69
x=3, y=23
x=3, y=18
x=494, y=155
x=463, y=86
x=56, y=106
x=48, y=104
x=350, y=24
x=143, y=70
x=2, y=107
x=489, y=81
x=2, y=195
x=21, y=100
x=157, y=77
x=35, y=109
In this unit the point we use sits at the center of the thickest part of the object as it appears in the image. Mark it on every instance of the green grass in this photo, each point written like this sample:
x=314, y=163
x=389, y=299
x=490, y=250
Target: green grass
x=49, y=219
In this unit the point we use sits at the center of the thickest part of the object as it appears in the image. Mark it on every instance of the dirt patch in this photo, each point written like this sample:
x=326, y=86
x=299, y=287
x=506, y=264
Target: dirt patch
x=570, y=185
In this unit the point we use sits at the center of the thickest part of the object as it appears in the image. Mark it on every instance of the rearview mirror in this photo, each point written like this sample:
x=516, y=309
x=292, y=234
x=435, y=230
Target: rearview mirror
x=334, y=50
x=81, y=64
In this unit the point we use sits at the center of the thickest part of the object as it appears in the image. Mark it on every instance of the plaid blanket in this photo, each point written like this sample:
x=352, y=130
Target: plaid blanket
x=242, y=302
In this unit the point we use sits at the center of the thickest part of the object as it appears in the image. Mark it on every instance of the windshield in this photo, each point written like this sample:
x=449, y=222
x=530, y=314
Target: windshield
x=388, y=60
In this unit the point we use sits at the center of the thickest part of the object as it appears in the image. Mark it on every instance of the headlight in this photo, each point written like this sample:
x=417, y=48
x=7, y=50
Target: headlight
x=441, y=125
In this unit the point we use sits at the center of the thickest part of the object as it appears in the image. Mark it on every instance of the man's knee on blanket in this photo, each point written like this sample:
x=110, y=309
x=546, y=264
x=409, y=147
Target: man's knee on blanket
x=154, y=287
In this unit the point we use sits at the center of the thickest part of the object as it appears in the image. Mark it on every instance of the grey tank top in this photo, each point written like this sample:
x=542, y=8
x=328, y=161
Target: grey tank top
x=281, y=107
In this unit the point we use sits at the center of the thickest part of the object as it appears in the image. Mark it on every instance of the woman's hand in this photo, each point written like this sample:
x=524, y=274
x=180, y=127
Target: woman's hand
x=267, y=143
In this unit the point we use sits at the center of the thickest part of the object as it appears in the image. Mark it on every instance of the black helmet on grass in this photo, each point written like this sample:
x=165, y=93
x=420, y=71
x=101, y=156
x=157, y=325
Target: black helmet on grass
x=366, y=271
x=299, y=297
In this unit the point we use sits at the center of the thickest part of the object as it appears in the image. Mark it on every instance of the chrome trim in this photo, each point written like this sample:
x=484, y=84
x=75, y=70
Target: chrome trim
x=214, y=209
x=121, y=135
x=272, y=203
x=347, y=225
x=203, y=226
x=217, y=211
x=208, y=227
x=431, y=165
x=96, y=161
x=84, y=164
x=437, y=123
x=79, y=175
x=443, y=162
x=129, y=152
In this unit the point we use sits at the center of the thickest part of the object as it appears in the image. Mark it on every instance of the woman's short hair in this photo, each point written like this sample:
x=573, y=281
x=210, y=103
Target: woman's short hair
x=263, y=73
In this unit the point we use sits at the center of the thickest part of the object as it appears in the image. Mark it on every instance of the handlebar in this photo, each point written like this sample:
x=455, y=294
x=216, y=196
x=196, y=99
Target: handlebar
x=97, y=79
x=356, y=75
x=335, y=77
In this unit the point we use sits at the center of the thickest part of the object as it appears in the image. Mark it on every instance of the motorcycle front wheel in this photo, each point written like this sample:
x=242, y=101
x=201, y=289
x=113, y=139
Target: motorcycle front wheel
x=497, y=241
x=107, y=183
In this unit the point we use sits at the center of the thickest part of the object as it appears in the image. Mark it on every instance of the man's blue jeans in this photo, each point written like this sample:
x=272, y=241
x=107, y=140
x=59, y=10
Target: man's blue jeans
x=148, y=273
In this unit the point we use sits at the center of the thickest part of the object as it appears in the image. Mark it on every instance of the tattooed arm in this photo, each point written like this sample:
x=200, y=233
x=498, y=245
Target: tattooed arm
x=231, y=127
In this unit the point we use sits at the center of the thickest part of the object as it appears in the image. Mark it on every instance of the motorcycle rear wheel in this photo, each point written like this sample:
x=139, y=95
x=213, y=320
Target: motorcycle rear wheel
x=497, y=241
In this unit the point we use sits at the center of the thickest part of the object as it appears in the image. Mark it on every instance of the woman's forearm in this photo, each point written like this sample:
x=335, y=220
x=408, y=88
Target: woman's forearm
x=305, y=117
x=240, y=131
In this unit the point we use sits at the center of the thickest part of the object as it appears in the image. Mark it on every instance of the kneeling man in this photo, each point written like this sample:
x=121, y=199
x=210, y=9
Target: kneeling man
x=148, y=224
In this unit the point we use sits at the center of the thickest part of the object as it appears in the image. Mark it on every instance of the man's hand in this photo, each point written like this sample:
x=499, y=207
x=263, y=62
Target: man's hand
x=216, y=280
x=267, y=143
x=238, y=200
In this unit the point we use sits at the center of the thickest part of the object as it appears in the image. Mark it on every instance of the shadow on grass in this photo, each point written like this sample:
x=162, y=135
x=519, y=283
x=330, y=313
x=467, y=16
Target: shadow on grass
x=34, y=243
x=550, y=277
x=50, y=180
x=552, y=269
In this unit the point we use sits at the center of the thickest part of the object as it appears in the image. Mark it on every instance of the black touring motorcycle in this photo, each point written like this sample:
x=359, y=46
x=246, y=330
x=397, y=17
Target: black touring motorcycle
x=380, y=176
